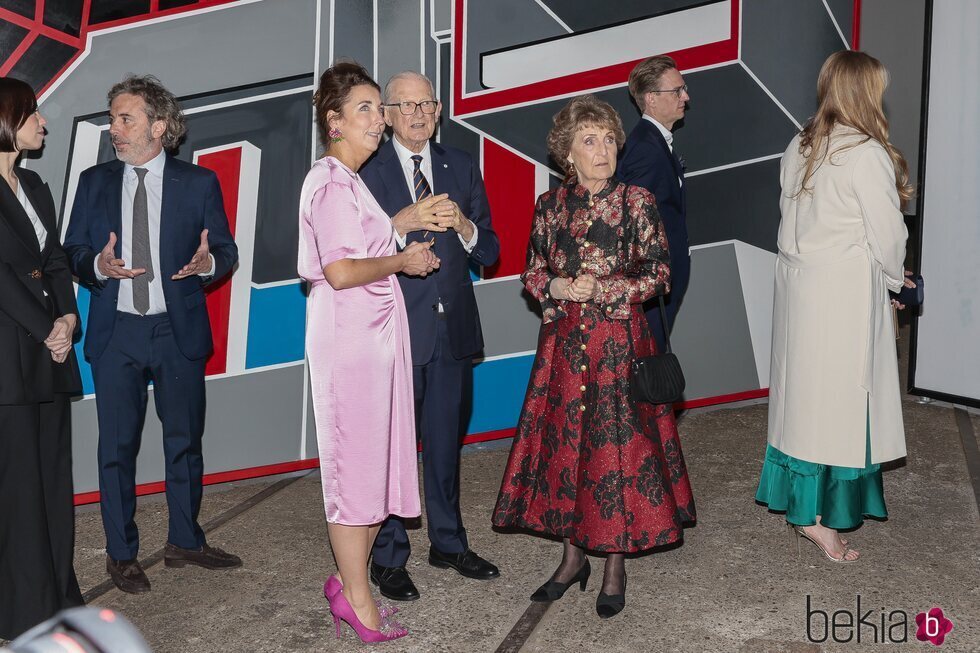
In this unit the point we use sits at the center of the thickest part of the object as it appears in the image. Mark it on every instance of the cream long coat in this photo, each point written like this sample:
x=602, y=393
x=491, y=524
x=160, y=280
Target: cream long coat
x=834, y=363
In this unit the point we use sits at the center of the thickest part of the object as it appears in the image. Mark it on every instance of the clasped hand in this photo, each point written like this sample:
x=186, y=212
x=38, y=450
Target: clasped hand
x=436, y=213
x=59, y=341
x=582, y=288
x=908, y=283
x=419, y=260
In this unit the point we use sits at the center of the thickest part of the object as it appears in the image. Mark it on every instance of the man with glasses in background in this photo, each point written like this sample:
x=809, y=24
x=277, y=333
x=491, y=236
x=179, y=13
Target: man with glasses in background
x=435, y=193
x=648, y=160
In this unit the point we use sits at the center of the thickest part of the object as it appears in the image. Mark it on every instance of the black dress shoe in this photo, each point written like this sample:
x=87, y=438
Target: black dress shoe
x=609, y=605
x=553, y=590
x=128, y=575
x=394, y=583
x=209, y=557
x=467, y=563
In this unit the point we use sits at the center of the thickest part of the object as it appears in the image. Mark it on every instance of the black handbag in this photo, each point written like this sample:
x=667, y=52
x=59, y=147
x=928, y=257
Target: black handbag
x=656, y=379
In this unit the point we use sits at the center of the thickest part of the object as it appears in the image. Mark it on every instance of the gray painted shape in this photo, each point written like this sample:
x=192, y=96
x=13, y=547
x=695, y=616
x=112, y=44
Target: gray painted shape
x=715, y=132
x=510, y=317
x=582, y=15
x=399, y=38
x=784, y=44
x=253, y=419
x=192, y=54
x=453, y=132
x=711, y=334
x=502, y=24
x=443, y=15
x=431, y=49
x=354, y=32
x=735, y=204
x=843, y=11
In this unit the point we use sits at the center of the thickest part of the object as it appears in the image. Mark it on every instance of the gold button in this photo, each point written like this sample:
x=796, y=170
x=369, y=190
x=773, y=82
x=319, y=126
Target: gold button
x=581, y=388
x=584, y=367
x=36, y=274
x=582, y=326
x=583, y=347
x=589, y=223
x=582, y=408
x=547, y=296
x=587, y=244
x=582, y=264
x=609, y=309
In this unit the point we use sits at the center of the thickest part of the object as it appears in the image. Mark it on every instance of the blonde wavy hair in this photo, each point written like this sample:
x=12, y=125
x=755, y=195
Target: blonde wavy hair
x=850, y=92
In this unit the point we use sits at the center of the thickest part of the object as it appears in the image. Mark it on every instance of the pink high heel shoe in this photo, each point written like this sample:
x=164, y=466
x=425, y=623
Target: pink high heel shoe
x=342, y=611
x=332, y=586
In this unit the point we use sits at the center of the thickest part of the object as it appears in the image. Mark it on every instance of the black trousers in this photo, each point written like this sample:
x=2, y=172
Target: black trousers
x=37, y=516
x=442, y=390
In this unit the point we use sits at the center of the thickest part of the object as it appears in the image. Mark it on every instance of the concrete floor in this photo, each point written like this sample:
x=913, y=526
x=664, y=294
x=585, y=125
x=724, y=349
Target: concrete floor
x=736, y=584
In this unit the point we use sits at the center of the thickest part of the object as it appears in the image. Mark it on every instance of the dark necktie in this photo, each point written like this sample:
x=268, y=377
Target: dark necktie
x=141, y=246
x=422, y=188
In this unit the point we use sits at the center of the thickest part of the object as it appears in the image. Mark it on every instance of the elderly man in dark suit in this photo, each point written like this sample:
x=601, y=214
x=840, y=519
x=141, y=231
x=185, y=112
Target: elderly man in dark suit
x=435, y=193
x=165, y=220
x=648, y=160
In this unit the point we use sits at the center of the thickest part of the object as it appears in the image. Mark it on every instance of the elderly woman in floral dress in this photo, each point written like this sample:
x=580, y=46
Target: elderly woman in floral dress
x=588, y=464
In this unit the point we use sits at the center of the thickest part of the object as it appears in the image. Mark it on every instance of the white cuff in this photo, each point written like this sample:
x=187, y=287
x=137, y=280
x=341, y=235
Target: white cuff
x=98, y=274
x=209, y=273
x=469, y=246
x=399, y=239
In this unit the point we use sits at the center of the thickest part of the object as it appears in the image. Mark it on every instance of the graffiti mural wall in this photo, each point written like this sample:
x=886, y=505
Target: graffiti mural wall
x=245, y=70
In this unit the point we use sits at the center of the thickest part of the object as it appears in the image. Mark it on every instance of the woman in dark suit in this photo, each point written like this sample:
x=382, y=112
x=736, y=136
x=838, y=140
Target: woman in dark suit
x=38, y=373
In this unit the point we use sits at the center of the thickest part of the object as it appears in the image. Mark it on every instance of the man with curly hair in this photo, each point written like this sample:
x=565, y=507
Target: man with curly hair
x=148, y=232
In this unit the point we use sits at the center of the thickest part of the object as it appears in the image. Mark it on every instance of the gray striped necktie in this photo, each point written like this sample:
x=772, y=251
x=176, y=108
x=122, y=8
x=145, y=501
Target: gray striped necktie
x=141, y=246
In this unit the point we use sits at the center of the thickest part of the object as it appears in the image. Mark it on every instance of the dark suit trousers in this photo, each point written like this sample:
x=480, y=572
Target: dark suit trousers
x=680, y=274
x=37, y=520
x=440, y=386
x=142, y=349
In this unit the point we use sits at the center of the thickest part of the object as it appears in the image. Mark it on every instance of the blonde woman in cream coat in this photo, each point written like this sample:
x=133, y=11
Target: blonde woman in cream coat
x=834, y=400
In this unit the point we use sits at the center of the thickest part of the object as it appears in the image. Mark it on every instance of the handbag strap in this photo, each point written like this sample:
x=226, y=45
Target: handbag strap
x=660, y=298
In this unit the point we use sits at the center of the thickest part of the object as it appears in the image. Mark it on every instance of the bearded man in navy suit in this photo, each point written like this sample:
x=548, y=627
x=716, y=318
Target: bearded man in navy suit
x=147, y=233
x=435, y=193
x=648, y=160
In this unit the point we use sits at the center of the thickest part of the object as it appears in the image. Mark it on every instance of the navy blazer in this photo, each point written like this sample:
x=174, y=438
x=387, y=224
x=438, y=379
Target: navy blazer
x=35, y=289
x=453, y=172
x=646, y=160
x=191, y=203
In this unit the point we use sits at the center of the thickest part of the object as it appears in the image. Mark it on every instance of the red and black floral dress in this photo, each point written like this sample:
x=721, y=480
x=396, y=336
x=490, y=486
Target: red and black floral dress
x=587, y=462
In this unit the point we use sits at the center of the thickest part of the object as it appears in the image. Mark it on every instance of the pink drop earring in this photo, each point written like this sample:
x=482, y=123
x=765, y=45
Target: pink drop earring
x=335, y=135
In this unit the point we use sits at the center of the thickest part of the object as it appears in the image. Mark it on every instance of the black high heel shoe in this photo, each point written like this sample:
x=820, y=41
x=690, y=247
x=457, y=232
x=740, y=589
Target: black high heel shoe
x=553, y=590
x=609, y=605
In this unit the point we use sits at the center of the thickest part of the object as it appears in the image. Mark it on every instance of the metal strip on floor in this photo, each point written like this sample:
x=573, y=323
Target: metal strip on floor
x=213, y=524
x=970, y=450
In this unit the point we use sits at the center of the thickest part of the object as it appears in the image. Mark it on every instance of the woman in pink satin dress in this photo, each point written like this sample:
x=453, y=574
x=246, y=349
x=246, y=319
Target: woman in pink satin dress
x=358, y=346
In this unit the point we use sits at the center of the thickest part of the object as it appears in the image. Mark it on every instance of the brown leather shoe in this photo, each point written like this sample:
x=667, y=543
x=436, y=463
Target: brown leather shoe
x=209, y=557
x=128, y=575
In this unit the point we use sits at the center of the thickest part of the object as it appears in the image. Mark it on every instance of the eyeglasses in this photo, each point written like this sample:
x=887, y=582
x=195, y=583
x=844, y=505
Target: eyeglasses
x=407, y=108
x=676, y=91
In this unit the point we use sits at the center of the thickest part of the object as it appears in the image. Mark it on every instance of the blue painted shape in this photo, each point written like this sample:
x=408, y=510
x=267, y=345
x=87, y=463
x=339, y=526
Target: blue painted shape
x=276, y=325
x=498, y=393
x=475, y=270
x=83, y=300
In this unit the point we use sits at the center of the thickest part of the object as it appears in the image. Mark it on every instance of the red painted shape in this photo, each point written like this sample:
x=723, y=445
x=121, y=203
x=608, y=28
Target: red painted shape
x=856, y=26
x=217, y=477
x=510, y=192
x=227, y=164
x=17, y=53
x=696, y=57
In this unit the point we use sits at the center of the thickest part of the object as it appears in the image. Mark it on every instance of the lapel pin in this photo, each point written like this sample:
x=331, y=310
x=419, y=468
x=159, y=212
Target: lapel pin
x=445, y=165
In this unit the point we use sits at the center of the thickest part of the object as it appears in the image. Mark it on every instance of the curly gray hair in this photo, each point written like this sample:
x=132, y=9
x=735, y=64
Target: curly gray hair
x=161, y=104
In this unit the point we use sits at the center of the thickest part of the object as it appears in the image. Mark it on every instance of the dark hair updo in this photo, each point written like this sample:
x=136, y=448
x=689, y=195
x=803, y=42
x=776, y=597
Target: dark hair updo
x=335, y=86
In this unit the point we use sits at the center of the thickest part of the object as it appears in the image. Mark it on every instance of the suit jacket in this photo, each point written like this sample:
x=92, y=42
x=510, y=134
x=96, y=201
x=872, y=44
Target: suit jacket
x=35, y=289
x=453, y=172
x=191, y=203
x=646, y=160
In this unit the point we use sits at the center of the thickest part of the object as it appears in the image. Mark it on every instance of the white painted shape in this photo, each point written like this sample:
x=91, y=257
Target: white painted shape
x=542, y=180
x=579, y=53
x=85, y=154
x=756, y=270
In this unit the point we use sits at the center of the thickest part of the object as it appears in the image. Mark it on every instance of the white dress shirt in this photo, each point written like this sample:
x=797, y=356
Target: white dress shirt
x=668, y=136
x=39, y=230
x=153, y=181
x=408, y=167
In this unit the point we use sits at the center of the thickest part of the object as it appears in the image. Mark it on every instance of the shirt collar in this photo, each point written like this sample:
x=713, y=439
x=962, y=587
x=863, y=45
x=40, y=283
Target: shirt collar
x=405, y=155
x=668, y=136
x=154, y=166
